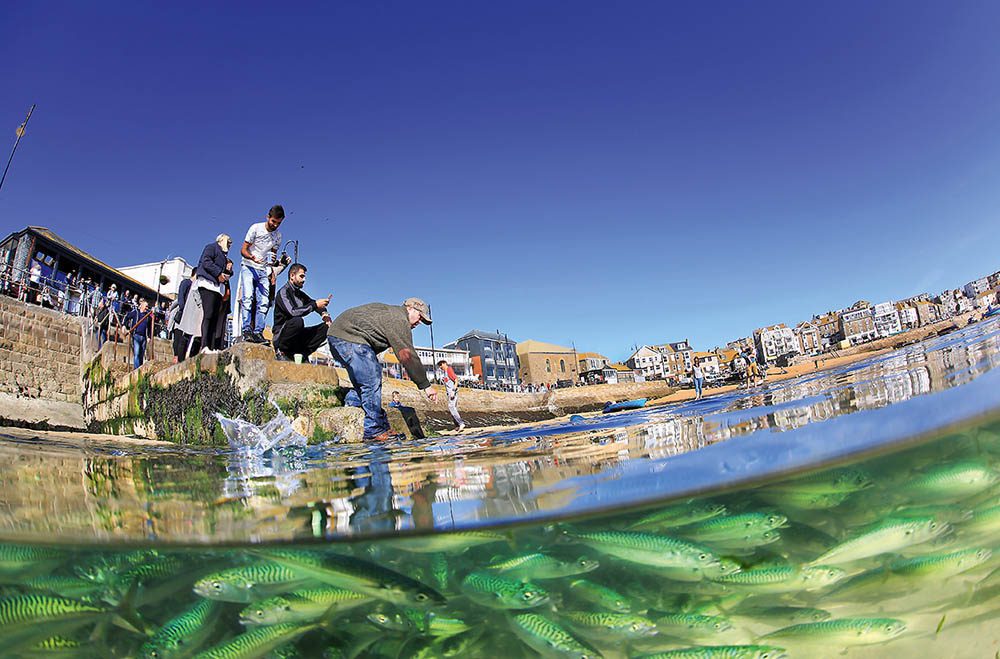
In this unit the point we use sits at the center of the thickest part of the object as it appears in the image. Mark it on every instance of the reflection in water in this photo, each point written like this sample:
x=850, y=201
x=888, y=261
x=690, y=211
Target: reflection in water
x=293, y=491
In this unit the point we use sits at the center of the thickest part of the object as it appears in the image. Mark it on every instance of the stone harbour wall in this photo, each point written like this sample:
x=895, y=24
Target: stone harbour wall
x=39, y=352
x=178, y=402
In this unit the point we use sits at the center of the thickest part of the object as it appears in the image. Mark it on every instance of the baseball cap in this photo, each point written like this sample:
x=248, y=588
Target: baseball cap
x=421, y=306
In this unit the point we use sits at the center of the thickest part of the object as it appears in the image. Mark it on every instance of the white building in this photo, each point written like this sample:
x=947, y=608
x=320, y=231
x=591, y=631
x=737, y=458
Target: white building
x=709, y=362
x=775, y=341
x=647, y=361
x=458, y=359
x=976, y=288
x=886, y=319
x=858, y=326
x=167, y=274
x=908, y=318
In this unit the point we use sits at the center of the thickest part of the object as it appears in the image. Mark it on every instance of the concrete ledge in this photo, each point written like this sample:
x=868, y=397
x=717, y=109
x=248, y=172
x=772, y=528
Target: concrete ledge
x=40, y=414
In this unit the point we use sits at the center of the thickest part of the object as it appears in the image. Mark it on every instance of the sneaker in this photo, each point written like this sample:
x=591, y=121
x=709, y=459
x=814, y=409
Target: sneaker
x=460, y=428
x=387, y=436
x=259, y=338
x=281, y=357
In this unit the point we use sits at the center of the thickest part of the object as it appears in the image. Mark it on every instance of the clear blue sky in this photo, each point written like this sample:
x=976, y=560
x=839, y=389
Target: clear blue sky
x=604, y=173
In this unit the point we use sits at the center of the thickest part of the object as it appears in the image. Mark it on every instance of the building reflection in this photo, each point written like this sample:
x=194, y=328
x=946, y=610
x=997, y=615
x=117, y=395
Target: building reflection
x=187, y=496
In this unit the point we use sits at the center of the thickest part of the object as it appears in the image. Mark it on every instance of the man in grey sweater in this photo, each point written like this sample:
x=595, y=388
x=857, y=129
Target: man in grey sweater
x=358, y=335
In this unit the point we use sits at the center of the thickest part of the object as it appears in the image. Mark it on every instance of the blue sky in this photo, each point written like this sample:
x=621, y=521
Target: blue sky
x=603, y=173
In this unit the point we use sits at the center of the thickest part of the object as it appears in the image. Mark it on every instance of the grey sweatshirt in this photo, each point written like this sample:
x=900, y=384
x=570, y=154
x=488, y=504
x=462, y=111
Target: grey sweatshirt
x=382, y=326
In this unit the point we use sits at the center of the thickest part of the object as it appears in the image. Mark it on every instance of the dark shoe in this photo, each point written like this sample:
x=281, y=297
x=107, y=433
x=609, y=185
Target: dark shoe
x=387, y=436
x=259, y=338
x=281, y=357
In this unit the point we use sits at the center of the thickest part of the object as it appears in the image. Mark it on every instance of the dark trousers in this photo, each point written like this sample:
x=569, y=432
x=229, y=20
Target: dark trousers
x=210, y=304
x=180, y=344
x=294, y=338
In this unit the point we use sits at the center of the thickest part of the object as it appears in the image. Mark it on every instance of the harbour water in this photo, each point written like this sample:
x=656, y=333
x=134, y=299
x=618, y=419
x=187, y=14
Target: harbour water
x=853, y=512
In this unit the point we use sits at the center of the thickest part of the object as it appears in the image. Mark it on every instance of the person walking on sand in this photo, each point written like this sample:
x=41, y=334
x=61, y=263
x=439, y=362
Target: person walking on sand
x=451, y=390
x=698, y=376
x=260, y=248
x=358, y=335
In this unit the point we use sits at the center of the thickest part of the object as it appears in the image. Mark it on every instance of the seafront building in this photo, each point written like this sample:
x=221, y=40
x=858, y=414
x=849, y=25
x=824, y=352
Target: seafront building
x=165, y=275
x=808, y=337
x=776, y=341
x=648, y=362
x=886, y=319
x=858, y=326
x=677, y=359
x=976, y=287
x=458, y=359
x=60, y=262
x=493, y=357
x=547, y=363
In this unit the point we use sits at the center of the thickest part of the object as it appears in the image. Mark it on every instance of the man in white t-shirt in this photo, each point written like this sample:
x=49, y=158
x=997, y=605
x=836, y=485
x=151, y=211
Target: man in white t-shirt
x=260, y=249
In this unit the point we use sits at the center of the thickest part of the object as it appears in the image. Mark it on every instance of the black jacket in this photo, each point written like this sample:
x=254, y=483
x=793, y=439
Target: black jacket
x=212, y=263
x=291, y=302
x=182, y=295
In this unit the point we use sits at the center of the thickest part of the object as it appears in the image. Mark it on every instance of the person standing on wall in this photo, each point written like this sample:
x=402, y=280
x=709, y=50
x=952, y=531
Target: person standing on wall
x=451, y=389
x=139, y=322
x=211, y=279
x=260, y=249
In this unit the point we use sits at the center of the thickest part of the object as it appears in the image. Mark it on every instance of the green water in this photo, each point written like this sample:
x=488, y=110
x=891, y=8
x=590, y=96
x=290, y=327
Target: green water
x=890, y=556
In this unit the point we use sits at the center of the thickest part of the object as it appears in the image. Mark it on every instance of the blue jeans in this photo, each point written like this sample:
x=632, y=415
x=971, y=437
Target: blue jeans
x=365, y=372
x=254, y=286
x=698, y=382
x=138, y=349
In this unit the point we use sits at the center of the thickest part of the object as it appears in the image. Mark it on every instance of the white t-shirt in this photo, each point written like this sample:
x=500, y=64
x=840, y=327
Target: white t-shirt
x=262, y=244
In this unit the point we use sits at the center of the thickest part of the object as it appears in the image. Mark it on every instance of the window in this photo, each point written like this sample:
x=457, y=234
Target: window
x=562, y=365
x=548, y=366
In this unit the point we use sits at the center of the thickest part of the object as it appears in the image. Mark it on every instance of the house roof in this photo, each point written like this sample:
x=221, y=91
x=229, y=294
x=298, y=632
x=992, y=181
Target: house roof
x=590, y=355
x=620, y=367
x=85, y=258
x=532, y=346
x=480, y=334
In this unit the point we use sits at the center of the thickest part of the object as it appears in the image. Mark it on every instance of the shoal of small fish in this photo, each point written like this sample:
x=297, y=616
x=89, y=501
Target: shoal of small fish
x=841, y=560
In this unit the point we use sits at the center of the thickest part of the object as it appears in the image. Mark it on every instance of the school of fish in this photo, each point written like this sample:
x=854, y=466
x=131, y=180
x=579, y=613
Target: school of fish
x=849, y=558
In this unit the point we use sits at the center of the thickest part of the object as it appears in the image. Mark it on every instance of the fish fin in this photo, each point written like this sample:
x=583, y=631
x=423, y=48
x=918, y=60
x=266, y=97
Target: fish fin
x=127, y=617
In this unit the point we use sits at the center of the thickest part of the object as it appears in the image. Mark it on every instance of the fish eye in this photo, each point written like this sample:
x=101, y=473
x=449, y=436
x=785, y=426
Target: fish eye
x=702, y=557
x=260, y=613
x=528, y=595
x=718, y=625
x=216, y=585
x=421, y=597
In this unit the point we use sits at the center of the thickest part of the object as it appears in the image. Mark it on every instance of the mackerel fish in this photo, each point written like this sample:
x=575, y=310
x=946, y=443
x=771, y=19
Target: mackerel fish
x=844, y=631
x=256, y=642
x=606, y=625
x=649, y=549
x=720, y=652
x=500, y=592
x=600, y=596
x=785, y=578
x=249, y=582
x=357, y=575
x=888, y=536
x=301, y=606
x=548, y=638
x=183, y=635
x=542, y=566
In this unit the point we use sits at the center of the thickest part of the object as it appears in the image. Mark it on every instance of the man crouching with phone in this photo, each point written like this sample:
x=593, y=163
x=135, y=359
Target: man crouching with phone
x=291, y=306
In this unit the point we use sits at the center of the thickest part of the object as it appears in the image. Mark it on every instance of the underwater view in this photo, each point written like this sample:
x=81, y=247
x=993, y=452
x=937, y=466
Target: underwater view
x=853, y=512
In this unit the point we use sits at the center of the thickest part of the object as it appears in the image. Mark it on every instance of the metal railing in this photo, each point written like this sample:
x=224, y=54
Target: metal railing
x=80, y=299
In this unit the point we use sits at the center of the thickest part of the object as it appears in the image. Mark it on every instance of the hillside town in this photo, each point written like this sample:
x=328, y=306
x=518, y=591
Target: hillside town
x=40, y=267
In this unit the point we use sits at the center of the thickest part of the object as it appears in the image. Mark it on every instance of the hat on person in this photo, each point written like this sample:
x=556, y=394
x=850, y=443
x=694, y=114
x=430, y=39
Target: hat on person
x=419, y=305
